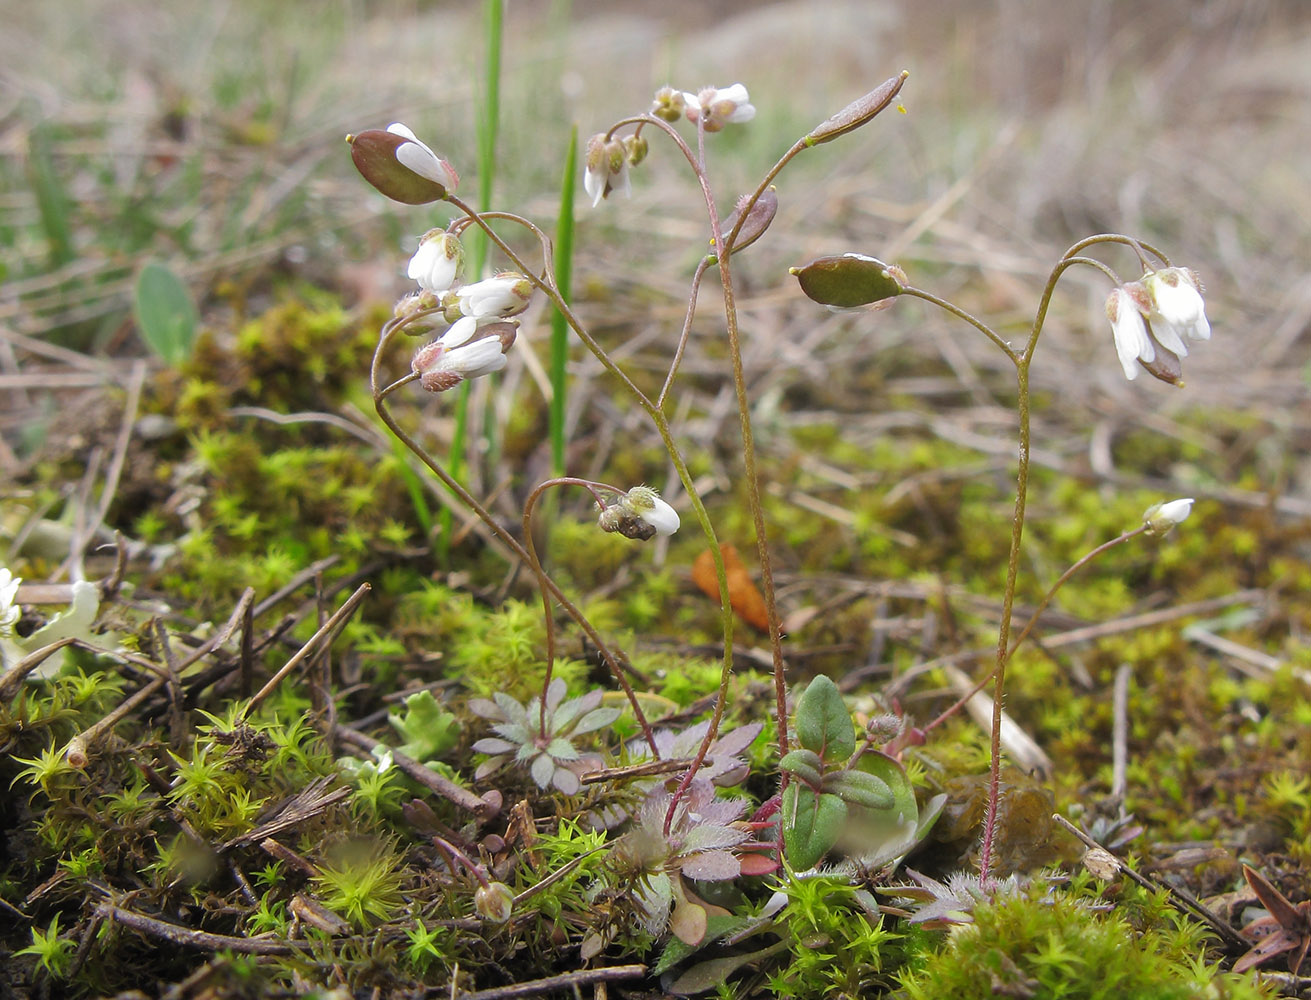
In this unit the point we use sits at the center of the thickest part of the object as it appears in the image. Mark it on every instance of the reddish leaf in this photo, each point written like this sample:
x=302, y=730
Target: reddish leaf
x=743, y=595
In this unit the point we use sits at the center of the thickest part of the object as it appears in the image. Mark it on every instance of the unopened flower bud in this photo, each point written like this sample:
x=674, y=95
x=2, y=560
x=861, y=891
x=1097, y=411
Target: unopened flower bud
x=669, y=104
x=645, y=504
x=417, y=321
x=437, y=264
x=606, y=168
x=400, y=166
x=494, y=901
x=635, y=149
x=507, y=294
x=1160, y=518
x=466, y=350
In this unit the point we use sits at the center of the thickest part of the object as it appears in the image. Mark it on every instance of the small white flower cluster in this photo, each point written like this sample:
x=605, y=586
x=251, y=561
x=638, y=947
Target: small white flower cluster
x=711, y=107
x=640, y=514
x=1150, y=319
x=481, y=330
x=608, y=158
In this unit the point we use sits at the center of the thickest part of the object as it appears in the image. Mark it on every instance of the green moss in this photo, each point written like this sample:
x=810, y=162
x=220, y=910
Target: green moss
x=1048, y=943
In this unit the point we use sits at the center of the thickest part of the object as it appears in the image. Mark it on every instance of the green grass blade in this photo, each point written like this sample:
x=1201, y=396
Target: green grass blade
x=51, y=201
x=476, y=245
x=564, y=258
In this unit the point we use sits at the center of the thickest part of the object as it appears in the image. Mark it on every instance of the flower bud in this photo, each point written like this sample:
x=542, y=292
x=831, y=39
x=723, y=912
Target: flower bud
x=635, y=149
x=507, y=294
x=606, y=168
x=645, y=504
x=400, y=166
x=437, y=264
x=466, y=350
x=413, y=305
x=1160, y=518
x=494, y=901
x=669, y=104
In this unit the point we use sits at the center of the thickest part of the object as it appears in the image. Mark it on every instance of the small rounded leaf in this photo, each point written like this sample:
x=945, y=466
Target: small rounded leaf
x=804, y=764
x=859, y=789
x=811, y=825
x=847, y=281
x=823, y=722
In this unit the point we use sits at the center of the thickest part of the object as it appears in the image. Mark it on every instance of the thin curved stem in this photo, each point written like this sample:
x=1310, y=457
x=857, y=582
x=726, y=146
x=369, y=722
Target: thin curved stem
x=968, y=317
x=546, y=283
x=548, y=618
x=508, y=539
x=683, y=334
x=1083, y=561
x=1004, y=629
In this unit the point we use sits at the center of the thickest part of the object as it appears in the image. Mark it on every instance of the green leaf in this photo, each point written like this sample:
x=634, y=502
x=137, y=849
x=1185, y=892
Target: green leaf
x=717, y=926
x=429, y=730
x=805, y=764
x=823, y=722
x=812, y=822
x=859, y=789
x=708, y=975
x=165, y=313
x=847, y=281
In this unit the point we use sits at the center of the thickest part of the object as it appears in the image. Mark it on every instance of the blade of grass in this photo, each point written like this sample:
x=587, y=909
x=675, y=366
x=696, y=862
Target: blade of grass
x=414, y=487
x=564, y=252
x=488, y=123
x=51, y=201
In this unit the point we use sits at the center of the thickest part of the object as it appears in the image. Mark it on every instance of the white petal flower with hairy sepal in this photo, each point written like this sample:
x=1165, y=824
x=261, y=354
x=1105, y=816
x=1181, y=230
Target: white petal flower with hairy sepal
x=437, y=264
x=645, y=504
x=466, y=350
x=1132, y=342
x=1160, y=518
x=720, y=106
x=1177, y=308
x=415, y=155
x=507, y=294
x=10, y=612
x=606, y=168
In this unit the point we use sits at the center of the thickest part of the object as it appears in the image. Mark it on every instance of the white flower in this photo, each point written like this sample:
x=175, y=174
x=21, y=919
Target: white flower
x=606, y=169
x=720, y=106
x=1132, y=342
x=416, y=156
x=504, y=295
x=1161, y=517
x=466, y=350
x=1177, y=309
x=645, y=504
x=437, y=264
x=10, y=612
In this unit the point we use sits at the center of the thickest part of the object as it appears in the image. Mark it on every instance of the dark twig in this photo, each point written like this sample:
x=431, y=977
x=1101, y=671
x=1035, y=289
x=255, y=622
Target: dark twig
x=552, y=984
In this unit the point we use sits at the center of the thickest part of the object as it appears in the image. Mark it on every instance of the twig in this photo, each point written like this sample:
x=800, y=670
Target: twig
x=551, y=984
x=191, y=938
x=1120, y=732
x=1182, y=899
x=320, y=638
